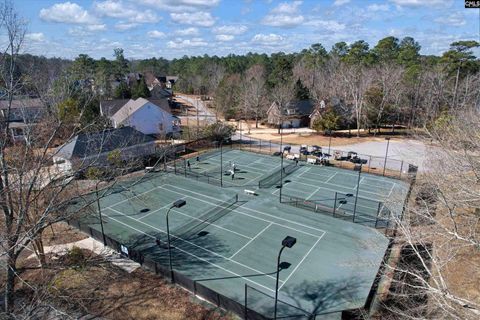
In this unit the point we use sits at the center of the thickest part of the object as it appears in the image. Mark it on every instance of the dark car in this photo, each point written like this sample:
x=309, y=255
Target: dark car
x=317, y=153
x=316, y=148
x=287, y=148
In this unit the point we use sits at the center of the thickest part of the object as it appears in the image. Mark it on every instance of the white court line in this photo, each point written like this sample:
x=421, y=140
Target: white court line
x=246, y=244
x=331, y=177
x=165, y=206
x=128, y=199
x=261, y=219
x=360, y=182
x=193, y=244
x=298, y=265
x=336, y=185
x=266, y=214
x=212, y=224
x=193, y=255
x=311, y=185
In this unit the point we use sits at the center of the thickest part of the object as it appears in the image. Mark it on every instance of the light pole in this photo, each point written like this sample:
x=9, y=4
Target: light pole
x=281, y=162
x=177, y=204
x=356, y=196
x=329, y=140
x=221, y=162
x=288, y=242
x=386, y=155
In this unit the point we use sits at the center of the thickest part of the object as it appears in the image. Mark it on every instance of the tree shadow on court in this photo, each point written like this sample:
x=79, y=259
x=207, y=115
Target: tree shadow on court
x=325, y=297
x=192, y=257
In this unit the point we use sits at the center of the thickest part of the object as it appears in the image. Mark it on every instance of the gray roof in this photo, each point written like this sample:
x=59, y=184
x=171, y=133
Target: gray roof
x=110, y=107
x=24, y=109
x=94, y=143
x=133, y=105
x=300, y=108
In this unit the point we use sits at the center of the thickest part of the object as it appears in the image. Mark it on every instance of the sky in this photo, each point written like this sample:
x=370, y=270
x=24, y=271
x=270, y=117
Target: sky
x=174, y=28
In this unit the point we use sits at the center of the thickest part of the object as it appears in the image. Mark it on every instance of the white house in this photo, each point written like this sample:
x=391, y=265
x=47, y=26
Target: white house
x=94, y=149
x=147, y=116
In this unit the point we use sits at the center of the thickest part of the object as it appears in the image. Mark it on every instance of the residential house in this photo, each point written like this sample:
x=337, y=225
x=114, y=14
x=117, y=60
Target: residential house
x=170, y=81
x=148, y=116
x=95, y=149
x=338, y=106
x=24, y=113
x=296, y=114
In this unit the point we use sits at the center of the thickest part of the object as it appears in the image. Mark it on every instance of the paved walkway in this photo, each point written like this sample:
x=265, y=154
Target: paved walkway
x=94, y=246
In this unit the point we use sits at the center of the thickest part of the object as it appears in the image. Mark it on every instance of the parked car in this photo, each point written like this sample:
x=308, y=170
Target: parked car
x=287, y=148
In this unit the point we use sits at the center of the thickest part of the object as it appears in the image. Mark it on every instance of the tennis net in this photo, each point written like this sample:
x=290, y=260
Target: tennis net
x=197, y=224
x=275, y=177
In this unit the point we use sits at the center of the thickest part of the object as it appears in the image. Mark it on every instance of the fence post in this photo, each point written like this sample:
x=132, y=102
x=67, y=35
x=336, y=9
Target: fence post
x=260, y=140
x=369, y=164
x=245, y=304
x=175, y=166
x=401, y=169
x=335, y=204
x=270, y=146
x=378, y=214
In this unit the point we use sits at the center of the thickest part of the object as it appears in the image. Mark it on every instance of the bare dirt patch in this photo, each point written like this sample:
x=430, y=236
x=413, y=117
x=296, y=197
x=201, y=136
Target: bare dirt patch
x=93, y=286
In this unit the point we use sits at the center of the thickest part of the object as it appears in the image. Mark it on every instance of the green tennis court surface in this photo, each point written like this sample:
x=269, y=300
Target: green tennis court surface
x=331, y=268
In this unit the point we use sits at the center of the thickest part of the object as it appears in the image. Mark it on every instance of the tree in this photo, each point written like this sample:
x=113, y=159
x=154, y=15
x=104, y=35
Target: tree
x=326, y=122
x=282, y=95
x=34, y=194
x=122, y=91
x=387, y=49
x=439, y=235
x=140, y=90
x=253, y=92
x=408, y=51
x=219, y=131
x=460, y=58
x=301, y=92
x=120, y=64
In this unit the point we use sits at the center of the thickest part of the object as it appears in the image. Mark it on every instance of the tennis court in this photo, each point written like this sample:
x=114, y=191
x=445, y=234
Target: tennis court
x=249, y=167
x=322, y=188
x=224, y=240
x=330, y=187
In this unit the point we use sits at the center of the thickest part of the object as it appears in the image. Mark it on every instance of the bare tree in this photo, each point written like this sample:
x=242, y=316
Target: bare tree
x=253, y=94
x=356, y=80
x=282, y=95
x=437, y=275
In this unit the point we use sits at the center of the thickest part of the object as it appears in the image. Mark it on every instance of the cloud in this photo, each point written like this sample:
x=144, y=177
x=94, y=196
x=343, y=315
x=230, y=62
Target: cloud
x=232, y=29
x=455, y=19
x=269, y=39
x=284, y=15
x=187, y=43
x=67, y=12
x=200, y=18
x=418, y=3
x=36, y=37
x=224, y=37
x=378, y=7
x=330, y=25
x=187, y=32
x=156, y=34
x=180, y=5
x=340, y=2
x=118, y=9
x=123, y=26
x=82, y=31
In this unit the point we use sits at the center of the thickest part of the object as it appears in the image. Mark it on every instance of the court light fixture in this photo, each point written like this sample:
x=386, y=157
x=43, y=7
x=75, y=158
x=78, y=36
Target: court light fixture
x=288, y=242
x=177, y=204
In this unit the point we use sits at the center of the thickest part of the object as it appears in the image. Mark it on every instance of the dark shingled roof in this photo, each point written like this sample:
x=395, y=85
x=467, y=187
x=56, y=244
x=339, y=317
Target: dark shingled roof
x=110, y=107
x=301, y=108
x=94, y=143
